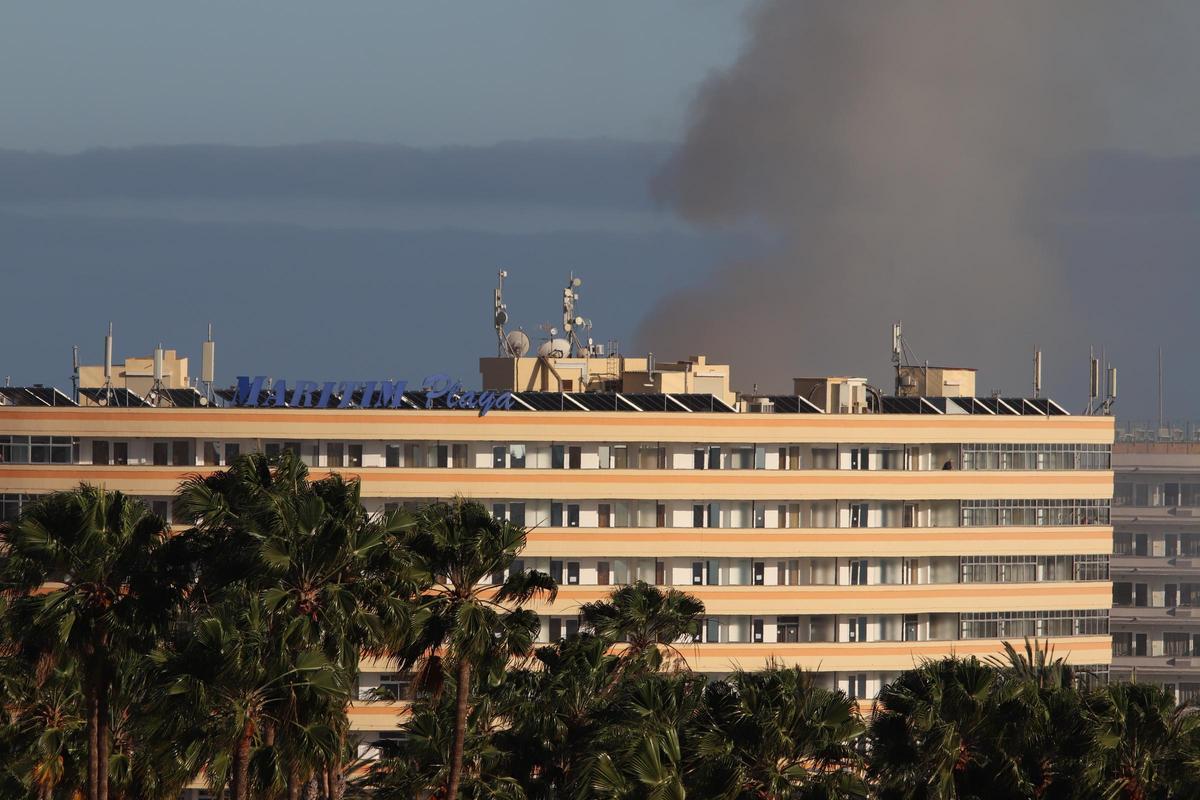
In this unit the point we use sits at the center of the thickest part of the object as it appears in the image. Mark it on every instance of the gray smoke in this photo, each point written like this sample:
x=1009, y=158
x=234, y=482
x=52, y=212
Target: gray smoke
x=899, y=156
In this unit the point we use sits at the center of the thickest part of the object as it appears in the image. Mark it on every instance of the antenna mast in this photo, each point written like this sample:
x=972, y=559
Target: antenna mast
x=500, y=315
x=1037, y=372
x=571, y=322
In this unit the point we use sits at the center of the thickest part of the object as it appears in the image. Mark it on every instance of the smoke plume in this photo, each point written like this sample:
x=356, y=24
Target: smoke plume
x=899, y=156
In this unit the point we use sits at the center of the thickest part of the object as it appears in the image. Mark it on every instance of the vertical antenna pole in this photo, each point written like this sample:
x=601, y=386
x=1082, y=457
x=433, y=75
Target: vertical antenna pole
x=1160, y=394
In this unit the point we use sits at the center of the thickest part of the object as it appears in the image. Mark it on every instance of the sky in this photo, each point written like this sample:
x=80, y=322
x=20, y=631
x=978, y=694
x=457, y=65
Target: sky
x=334, y=186
x=77, y=75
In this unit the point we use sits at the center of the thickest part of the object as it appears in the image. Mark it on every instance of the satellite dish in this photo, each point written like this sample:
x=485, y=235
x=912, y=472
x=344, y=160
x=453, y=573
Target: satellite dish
x=518, y=343
x=555, y=348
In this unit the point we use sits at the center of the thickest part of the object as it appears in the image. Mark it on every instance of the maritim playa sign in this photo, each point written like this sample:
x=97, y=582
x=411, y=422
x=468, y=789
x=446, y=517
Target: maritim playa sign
x=439, y=390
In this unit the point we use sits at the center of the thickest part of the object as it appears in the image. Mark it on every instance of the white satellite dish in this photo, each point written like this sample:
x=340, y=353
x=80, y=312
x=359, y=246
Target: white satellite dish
x=518, y=343
x=555, y=348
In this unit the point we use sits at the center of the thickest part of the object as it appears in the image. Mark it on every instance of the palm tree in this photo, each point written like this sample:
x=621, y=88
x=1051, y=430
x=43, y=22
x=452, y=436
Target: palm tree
x=646, y=758
x=328, y=579
x=645, y=617
x=466, y=619
x=1144, y=746
x=773, y=734
x=217, y=683
x=87, y=580
x=559, y=714
x=1038, y=719
x=44, y=729
x=931, y=734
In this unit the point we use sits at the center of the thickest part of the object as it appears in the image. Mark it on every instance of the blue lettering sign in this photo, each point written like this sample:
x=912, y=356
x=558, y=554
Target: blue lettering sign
x=254, y=393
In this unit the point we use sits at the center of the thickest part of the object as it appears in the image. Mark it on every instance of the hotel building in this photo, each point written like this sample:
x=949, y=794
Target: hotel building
x=834, y=528
x=1156, y=562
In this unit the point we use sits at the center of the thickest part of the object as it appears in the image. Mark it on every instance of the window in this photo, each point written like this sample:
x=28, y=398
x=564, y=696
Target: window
x=602, y=573
x=698, y=458
x=556, y=515
x=911, y=627
x=660, y=573
x=856, y=686
x=395, y=684
x=441, y=456
x=499, y=456
x=574, y=457
x=714, y=458
x=756, y=627
x=787, y=629
x=516, y=456
x=232, y=451
x=860, y=458
x=572, y=515
x=162, y=454
x=856, y=629
x=858, y=515
x=572, y=573
x=712, y=572
x=100, y=452
x=697, y=573
x=1020, y=624
x=354, y=455
x=1178, y=645
x=712, y=630
x=458, y=458
x=120, y=453
x=11, y=505
x=557, y=453
x=516, y=514
x=698, y=515
x=858, y=573
x=714, y=515
x=760, y=573
x=335, y=455
x=391, y=455
x=37, y=449
x=555, y=629
x=212, y=458
x=604, y=515
x=181, y=449
x=556, y=571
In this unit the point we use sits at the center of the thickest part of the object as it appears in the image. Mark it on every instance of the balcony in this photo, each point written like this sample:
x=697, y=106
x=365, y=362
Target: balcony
x=770, y=543
x=876, y=599
x=1129, y=565
x=1183, y=615
x=605, y=484
x=1152, y=665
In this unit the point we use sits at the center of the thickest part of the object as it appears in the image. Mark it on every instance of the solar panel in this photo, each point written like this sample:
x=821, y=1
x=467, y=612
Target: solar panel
x=702, y=402
x=594, y=401
x=973, y=405
x=34, y=396
x=650, y=401
x=184, y=398
x=116, y=397
x=901, y=405
x=543, y=401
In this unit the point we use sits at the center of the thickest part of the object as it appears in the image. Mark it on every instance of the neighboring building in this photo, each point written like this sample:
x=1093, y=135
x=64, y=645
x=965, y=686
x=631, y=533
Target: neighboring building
x=833, y=528
x=1156, y=564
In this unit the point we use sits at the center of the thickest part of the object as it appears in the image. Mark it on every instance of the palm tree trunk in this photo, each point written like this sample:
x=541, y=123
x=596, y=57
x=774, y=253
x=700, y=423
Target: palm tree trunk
x=293, y=785
x=241, y=765
x=93, y=726
x=103, y=737
x=92, y=692
x=462, y=695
